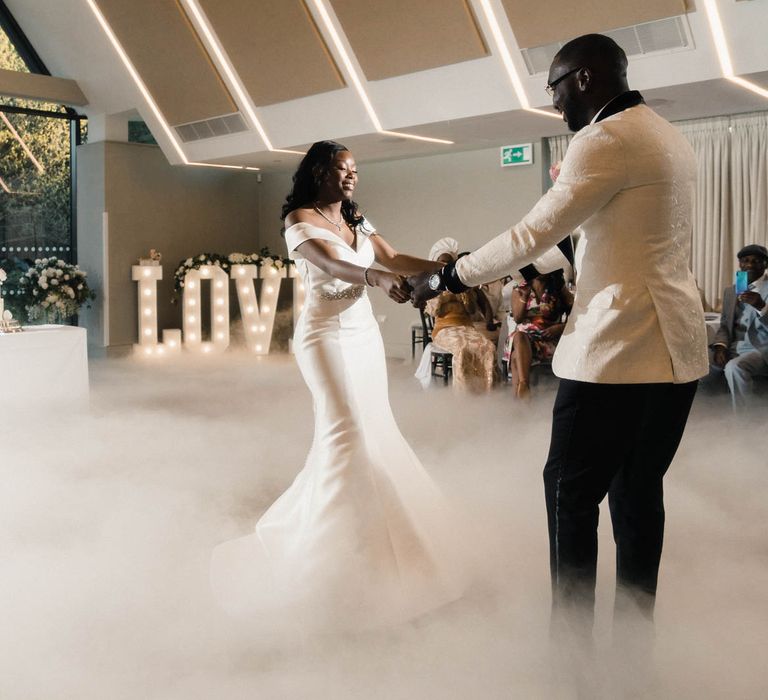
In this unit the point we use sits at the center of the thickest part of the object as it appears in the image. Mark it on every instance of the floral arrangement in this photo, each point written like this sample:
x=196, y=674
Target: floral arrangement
x=11, y=271
x=54, y=289
x=225, y=262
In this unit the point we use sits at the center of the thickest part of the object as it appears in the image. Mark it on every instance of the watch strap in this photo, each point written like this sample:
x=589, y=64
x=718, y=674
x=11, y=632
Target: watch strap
x=449, y=279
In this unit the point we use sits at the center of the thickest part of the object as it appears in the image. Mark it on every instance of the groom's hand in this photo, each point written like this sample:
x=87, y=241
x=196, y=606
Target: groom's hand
x=421, y=292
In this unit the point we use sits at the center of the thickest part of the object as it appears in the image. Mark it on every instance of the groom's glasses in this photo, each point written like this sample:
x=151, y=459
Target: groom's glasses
x=550, y=88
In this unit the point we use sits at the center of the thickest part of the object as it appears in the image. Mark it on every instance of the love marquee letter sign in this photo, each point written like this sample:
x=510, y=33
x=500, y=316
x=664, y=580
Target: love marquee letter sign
x=258, y=314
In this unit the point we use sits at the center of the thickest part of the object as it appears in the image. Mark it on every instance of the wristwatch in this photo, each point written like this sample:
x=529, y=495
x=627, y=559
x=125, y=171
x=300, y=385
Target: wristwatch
x=446, y=278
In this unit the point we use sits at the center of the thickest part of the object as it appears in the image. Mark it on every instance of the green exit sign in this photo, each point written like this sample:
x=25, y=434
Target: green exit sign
x=519, y=154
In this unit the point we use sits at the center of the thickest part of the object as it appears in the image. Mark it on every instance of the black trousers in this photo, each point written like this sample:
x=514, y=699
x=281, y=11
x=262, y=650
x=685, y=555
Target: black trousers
x=615, y=439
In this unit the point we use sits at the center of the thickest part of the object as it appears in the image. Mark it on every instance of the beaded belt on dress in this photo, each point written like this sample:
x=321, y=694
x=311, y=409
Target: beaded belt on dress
x=353, y=292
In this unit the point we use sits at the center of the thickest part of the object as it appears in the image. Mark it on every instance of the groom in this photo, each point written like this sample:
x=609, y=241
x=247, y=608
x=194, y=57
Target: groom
x=635, y=343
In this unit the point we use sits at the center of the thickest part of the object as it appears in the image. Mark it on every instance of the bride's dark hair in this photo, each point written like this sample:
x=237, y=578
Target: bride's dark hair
x=309, y=176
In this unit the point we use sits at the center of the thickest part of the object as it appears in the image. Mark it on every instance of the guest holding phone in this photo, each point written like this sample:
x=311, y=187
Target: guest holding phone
x=740, y=348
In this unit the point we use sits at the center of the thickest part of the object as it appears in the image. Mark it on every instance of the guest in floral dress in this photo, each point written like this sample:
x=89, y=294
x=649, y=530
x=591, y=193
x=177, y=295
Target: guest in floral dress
x=538, y=309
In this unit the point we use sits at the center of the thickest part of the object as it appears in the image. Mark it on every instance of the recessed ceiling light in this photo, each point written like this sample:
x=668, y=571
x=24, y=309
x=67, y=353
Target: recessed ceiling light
x=509, y=65
x=146, y=94
x=358, y=83
x=723, y=54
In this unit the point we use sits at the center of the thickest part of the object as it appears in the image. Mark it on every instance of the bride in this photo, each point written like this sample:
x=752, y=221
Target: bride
x=362, y=537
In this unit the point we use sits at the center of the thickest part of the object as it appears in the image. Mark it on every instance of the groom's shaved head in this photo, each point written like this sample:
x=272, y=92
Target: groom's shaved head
x=596, y=51
x=585, y=75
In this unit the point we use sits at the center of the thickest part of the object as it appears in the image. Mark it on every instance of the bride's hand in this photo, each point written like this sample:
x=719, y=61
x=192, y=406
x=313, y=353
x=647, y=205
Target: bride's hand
x=394, y=286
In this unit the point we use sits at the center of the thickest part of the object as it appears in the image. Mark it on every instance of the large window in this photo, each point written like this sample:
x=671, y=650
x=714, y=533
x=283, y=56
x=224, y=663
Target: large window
x=37, y=162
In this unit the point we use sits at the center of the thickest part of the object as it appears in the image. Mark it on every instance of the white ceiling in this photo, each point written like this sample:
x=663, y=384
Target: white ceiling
x=471, y=103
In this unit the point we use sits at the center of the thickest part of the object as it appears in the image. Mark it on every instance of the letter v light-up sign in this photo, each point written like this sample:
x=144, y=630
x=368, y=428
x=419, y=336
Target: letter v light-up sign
x=193, y=326
x=258, y=316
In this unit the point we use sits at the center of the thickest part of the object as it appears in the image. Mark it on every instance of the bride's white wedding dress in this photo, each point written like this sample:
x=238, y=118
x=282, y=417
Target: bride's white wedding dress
x=362, y=537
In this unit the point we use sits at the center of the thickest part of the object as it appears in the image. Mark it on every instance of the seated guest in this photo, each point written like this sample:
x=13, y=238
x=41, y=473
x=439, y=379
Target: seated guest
x=474, y=355
x=537, y=308
x=485, y=317
x=740, y=348
x=492, y=293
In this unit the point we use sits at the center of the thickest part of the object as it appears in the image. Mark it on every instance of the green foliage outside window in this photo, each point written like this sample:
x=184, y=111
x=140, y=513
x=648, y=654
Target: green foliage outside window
x=36, y=209
x=35, y=182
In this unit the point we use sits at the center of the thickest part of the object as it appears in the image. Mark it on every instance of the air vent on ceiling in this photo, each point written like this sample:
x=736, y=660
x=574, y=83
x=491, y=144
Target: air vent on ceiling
x=211, y=128
x=661, y=35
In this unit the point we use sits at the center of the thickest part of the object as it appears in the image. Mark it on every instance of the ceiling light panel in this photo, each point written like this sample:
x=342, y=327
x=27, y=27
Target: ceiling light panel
x=167, y=54
x=398, y=37
x=502, y=50
x=146, y=94
x=275, y=48
x=720, y=40
x=354, y=74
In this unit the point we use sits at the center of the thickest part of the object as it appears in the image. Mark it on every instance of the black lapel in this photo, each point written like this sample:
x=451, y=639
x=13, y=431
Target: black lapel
x=628, y=99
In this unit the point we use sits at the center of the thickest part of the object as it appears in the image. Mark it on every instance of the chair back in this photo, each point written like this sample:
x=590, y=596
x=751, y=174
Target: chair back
x=427, y=324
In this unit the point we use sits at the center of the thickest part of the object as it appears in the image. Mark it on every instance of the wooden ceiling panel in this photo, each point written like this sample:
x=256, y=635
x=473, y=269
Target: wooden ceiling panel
x=275, y=48
x=170, y=59
x=402, y=36
x=539, y=23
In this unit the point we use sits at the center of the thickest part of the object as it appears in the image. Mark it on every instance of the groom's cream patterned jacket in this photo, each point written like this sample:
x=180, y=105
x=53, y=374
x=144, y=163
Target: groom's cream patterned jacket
x=627, y=182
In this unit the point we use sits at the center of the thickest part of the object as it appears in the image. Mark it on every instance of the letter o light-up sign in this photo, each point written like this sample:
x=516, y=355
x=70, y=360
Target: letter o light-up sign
x=192, y=312
x=258, y=317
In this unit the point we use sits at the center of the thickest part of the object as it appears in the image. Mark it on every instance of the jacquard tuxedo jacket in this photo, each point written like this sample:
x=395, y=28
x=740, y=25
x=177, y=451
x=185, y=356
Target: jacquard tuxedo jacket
x=627, y=181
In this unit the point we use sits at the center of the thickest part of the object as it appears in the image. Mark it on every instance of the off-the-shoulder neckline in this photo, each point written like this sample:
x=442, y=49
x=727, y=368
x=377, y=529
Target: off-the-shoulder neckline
x=333, y=236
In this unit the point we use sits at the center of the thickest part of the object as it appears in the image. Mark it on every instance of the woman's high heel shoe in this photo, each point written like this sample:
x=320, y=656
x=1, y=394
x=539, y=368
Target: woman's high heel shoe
x=523, y=391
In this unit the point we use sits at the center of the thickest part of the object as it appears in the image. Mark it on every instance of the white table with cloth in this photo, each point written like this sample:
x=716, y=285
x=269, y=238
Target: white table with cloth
x=43, y=365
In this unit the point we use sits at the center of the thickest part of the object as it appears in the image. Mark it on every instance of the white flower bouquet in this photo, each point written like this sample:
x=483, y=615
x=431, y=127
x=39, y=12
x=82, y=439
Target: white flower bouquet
x=54, y=290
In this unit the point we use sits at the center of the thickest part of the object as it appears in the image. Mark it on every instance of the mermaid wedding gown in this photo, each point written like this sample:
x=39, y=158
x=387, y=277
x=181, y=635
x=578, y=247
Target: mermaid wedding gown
x=362, y=537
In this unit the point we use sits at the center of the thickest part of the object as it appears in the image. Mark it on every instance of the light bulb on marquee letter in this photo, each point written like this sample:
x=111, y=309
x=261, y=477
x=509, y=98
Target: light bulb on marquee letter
x=147, y=276
x=193, y=326
x=258, y=318
x=172, y=340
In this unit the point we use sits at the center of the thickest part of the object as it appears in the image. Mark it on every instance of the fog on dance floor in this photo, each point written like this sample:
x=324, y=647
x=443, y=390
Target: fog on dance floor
x=108, y=518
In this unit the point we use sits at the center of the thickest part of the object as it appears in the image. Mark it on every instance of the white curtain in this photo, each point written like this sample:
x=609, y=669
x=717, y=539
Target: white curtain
x=712, y=232
x=557, y=148
x=731, y=207
x=749, y=165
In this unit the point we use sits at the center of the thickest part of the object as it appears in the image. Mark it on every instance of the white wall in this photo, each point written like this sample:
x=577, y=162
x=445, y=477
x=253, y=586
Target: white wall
x=414, y=202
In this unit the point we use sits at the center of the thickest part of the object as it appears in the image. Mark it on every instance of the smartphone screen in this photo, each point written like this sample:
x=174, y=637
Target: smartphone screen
x=741, y=282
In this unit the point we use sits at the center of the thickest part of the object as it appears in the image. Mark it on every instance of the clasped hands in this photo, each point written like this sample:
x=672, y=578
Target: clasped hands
x=414, y=288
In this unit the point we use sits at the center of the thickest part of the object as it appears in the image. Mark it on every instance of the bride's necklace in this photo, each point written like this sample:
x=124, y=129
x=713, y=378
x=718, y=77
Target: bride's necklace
x=337, y=224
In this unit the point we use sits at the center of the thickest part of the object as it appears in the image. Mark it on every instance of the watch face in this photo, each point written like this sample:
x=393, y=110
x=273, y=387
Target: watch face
x=434, y=282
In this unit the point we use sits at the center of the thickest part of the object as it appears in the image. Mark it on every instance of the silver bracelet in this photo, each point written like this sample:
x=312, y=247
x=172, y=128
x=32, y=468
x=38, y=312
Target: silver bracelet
x=365, y=276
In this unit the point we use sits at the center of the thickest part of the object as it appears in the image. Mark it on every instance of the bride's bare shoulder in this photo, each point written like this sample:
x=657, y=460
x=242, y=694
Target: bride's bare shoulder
x=302, y=214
